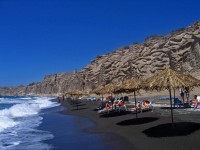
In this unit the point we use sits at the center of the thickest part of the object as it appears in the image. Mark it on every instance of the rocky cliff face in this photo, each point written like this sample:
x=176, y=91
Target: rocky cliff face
x=179, y=50
x=12, y=90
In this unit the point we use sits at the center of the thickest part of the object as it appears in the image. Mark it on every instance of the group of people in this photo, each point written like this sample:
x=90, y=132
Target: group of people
x=145, y=104
x=60, y=98
x=184, y=91
x=114, y=105
x=117, y=104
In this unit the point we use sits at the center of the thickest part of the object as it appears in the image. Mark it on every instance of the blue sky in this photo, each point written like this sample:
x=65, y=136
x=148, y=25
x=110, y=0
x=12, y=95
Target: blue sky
x=42, y=37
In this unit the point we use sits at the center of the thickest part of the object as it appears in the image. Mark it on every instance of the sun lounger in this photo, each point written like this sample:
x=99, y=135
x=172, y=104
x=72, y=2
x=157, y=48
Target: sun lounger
x=178, y=103
x=117, y=109
x=196, y=106
x=121, y=108
x=141, y=107
x=103, y=111
x=131, y=110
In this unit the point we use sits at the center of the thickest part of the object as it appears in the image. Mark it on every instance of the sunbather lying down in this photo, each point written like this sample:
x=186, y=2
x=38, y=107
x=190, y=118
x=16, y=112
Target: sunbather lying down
x=140, y=106
x=194, y=102
x=114, y=106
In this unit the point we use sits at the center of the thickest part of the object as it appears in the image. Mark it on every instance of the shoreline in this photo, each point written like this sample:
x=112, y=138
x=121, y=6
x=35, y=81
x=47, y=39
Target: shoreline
x=141, y=134
x=110, y=139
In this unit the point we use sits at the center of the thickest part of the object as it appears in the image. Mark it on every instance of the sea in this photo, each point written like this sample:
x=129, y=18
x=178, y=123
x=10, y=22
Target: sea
x=36, y=123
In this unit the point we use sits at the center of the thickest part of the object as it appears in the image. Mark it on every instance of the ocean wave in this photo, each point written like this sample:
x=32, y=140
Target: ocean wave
x=19, y=122
x=6, y=122
x=24, y=108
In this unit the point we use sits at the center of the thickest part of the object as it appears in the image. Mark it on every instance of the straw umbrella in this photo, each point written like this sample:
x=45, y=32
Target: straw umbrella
x=110, y=89
x=76, y=93
x=99, y=91
x=130, y=85
x=168, y=79
x=107, y=89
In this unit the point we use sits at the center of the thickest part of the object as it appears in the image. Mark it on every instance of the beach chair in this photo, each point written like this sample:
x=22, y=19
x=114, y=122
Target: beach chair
x=198, y=103
x=149, y=105
x=107, y=111
x=121, y=108
x=139, y=108
x=133, y=110
x=152, y=101
x=178, y=103
x=142, y=108
x=197, y=106
x=102, y=111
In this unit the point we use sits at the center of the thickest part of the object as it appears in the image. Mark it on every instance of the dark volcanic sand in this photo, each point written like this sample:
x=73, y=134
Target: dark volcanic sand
x=152, y=130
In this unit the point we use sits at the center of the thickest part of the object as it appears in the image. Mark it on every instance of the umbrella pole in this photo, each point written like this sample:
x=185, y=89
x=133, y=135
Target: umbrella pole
x=174, y=97
x=170, y=95
x=76, y=103
x=111, y=101
x=102, y=101
x=135, y=105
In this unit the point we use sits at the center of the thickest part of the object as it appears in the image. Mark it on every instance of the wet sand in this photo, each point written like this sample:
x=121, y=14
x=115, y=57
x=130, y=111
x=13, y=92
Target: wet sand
x=152, y=129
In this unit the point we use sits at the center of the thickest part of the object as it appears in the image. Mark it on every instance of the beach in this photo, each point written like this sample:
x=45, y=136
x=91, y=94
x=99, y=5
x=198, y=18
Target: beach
x=152, y=129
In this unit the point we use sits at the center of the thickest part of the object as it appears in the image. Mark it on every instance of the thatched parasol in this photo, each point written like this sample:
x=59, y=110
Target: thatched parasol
x=168, y=79
x=76, y=93
x=107, y=89
x=99, y=91
x=130, y=85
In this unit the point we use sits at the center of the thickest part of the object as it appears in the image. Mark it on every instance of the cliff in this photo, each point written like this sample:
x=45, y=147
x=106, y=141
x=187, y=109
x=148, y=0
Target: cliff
x=179, y=50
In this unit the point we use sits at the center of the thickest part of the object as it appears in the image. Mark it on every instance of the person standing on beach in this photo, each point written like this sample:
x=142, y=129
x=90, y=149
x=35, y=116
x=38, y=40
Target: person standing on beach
x=63, y=98
x=181, y=90
x=58, y=99
x=187, y=93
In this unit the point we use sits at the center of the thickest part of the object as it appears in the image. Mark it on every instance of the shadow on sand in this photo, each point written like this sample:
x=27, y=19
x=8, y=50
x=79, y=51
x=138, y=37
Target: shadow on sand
x=113, y=114
x=169, y=130
x=180, y=107
x=137, y=121
x=78, y=105
x=75, y=109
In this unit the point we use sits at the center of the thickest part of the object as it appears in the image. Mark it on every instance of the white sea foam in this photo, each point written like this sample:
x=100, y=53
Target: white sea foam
x=44, y=102
x=9, y=101
x=20, y=110
x=25, y=109
x=26, y=98
x=19, y=121
x=6, y=122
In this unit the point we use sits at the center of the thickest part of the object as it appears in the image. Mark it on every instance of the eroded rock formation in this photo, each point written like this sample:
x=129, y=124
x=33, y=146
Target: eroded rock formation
x=179, y=50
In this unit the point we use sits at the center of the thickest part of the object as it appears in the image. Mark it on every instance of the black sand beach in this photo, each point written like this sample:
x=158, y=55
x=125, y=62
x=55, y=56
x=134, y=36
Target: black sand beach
x=152, y=129
x=69, y=132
